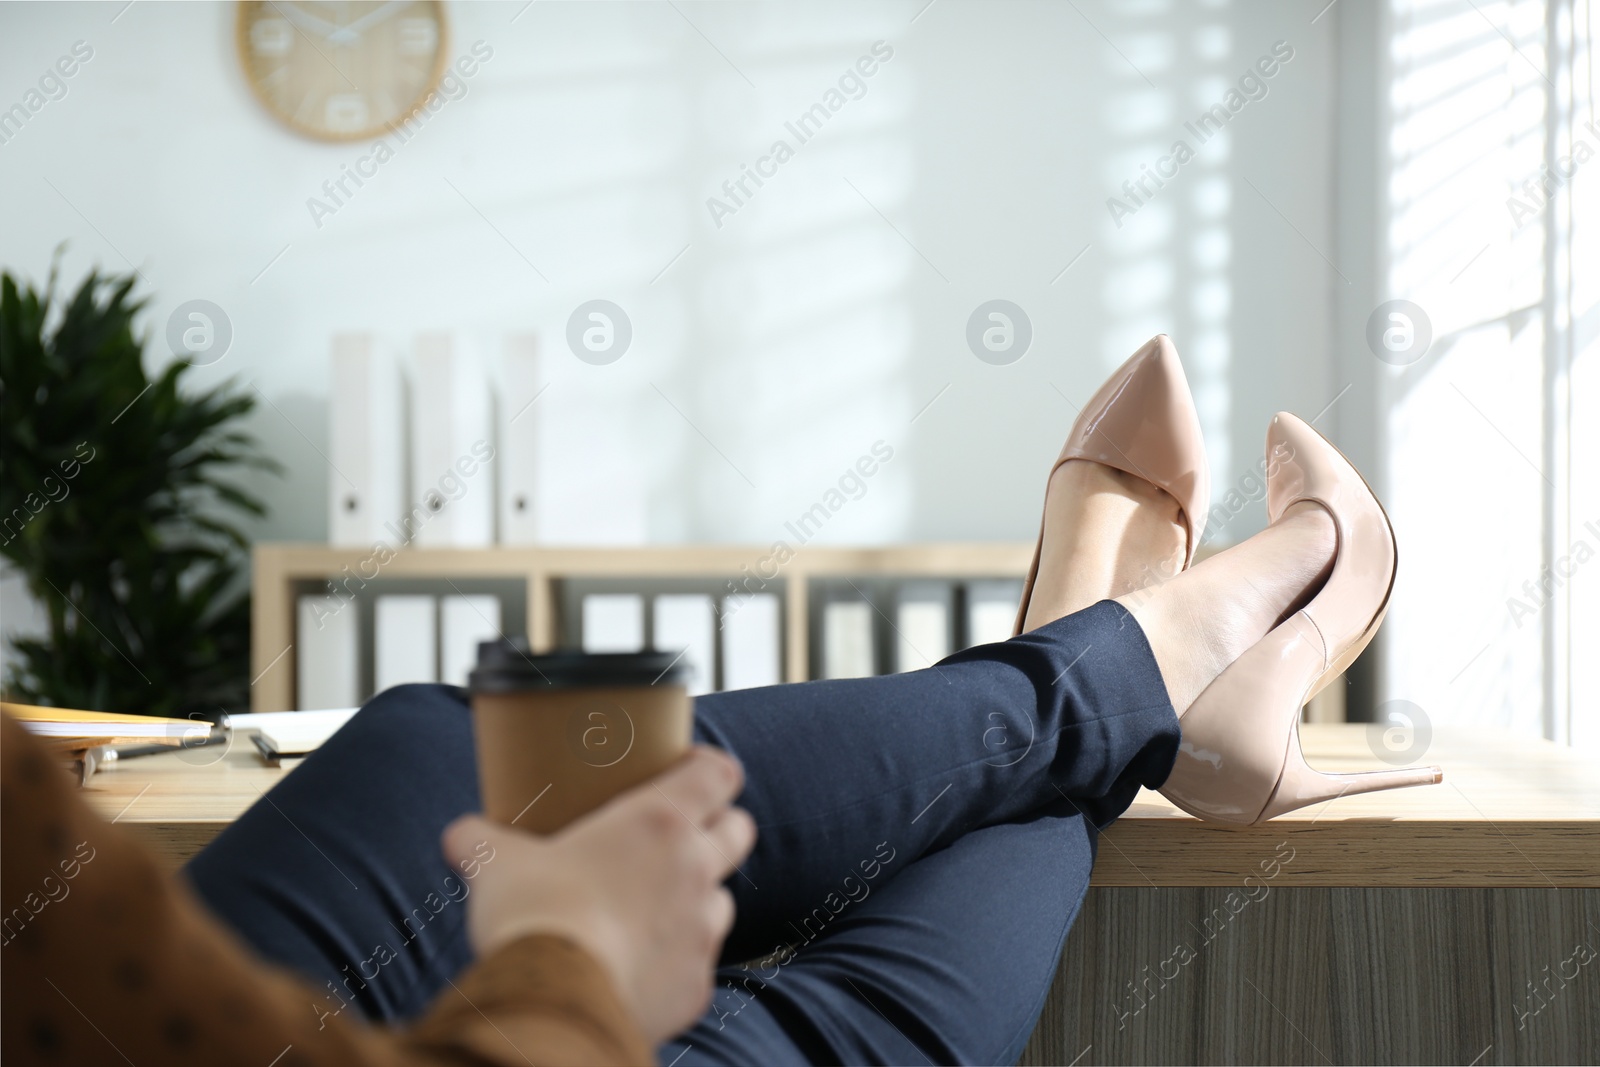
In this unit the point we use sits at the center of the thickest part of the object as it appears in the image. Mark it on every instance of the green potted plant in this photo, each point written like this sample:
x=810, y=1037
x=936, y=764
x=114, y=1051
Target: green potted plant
x=119, y=506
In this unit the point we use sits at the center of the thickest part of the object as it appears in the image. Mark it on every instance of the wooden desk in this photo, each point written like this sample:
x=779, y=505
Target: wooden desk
x=1511, y=811
x=178, y=801
x=1404, y=927
x=1395, y=927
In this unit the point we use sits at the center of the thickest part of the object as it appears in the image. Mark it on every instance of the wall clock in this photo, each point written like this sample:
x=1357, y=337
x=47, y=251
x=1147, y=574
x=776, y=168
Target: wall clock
x=342, y=71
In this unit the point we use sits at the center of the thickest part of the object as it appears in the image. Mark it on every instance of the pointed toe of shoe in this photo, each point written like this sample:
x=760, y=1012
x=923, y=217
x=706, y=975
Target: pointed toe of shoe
x=1143, y=421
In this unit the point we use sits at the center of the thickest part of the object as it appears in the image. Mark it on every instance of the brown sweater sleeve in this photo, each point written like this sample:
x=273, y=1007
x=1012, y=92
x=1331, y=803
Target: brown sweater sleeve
x=105, y=960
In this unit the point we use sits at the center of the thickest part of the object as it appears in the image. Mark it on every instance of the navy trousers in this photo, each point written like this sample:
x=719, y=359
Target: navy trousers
x=925, y=843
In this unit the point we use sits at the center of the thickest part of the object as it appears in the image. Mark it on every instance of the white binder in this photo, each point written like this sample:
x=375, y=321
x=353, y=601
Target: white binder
x=684, y=623
x=405, y=641
x=327, y=656
x=366, y=442
x=463, y=622
x=847, y=645
x=752, y=650
x=991, y=610
x=452, y=447
x=923, y=625
x=519, y=424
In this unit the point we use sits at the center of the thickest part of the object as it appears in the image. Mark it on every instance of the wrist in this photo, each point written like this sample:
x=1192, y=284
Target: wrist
x=593, y=933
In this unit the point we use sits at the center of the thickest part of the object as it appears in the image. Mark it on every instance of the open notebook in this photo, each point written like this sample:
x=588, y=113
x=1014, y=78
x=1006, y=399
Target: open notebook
x=289, y=735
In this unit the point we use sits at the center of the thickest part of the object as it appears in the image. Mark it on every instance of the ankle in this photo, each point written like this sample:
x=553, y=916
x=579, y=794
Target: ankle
x=1200, y=622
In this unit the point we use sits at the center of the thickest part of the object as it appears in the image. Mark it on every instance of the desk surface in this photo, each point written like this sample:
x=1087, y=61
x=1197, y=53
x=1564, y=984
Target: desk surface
x=1510, y=812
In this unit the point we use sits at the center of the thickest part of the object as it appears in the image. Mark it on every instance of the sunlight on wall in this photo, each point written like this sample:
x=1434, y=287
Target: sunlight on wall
x=1170, y=266
x=1464, y=421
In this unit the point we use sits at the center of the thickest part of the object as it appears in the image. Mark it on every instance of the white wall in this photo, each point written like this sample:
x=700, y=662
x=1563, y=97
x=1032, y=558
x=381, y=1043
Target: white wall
x=799, y=333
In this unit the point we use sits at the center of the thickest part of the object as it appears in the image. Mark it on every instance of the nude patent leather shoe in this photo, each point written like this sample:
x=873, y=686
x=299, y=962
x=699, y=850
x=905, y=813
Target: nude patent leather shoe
x=1142, y=421
x=1240, y=759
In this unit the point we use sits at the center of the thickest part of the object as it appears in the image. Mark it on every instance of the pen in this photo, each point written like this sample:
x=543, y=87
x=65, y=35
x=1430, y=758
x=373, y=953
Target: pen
x=108, y=754
x=102, y=756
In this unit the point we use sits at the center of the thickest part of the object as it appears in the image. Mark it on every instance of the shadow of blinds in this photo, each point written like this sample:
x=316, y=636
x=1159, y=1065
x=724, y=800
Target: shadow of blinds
x=1476, y=631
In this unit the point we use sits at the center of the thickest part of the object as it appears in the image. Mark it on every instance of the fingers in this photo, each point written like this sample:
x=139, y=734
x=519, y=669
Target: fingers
x=702, y=783
x=459, y=837
x=465, y=839
x=720, y=915
x=732, y=834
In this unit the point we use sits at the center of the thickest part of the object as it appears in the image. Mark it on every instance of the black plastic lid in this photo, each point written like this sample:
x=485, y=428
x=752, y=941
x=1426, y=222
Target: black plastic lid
x=506, y=666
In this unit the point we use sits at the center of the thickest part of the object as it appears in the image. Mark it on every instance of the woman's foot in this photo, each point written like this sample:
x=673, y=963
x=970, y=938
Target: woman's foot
x=1128, y=495
x=1204, y=619
x=1107, y=533
x=1245, y=639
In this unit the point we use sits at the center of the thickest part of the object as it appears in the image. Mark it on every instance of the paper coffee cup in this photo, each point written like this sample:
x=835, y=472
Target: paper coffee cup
x=560, y=734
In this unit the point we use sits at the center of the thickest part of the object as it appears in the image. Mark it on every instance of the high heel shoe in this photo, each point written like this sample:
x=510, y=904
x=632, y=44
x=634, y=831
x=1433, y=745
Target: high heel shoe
x=1142, y=421
x=1240, y=759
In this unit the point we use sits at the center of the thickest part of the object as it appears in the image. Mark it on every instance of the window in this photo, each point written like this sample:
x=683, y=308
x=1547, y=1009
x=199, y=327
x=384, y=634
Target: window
x=1487, y=444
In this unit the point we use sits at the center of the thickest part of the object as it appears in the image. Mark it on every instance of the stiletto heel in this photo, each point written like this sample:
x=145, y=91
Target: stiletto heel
x=1240, y=759
x=1142, y=421
x=1303, y=785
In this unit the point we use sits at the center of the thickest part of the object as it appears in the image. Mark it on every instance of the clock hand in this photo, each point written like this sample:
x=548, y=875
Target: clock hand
x=304, y=15
x=304, y=19
x=351, y=32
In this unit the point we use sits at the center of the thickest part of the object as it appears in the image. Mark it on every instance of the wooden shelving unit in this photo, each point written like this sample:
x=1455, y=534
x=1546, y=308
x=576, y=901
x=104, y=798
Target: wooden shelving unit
x=280, y=569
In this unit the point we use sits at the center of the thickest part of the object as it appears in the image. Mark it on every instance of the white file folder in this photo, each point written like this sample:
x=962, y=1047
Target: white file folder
x=752, y=649
x=327, y=653
x=847, y=644
x=684, y=623
x=922, y=625
x=452, y=447
x=366, y=442
x=463, y=622
x=991, y=610
x=519, y=425
x=405, y=641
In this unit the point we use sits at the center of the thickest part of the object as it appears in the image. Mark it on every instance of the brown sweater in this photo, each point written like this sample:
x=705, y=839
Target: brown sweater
x=105, y=960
